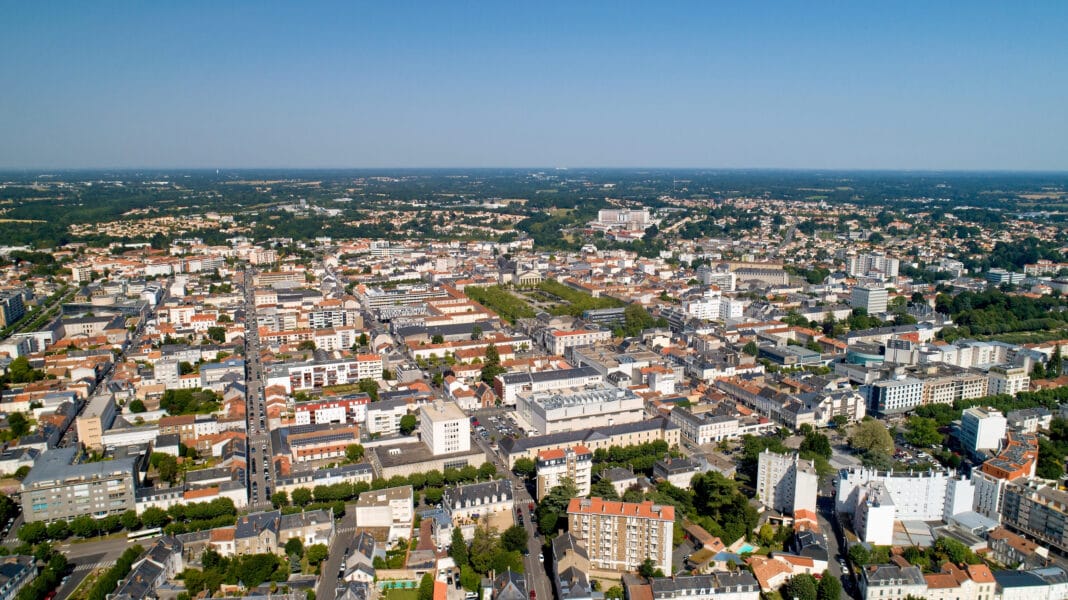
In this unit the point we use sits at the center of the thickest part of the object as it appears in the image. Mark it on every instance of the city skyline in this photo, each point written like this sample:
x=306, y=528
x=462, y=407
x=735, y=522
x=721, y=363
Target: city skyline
x=951, y=87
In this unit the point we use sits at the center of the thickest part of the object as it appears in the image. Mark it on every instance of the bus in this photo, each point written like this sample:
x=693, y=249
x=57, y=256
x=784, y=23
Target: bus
x=144, y=534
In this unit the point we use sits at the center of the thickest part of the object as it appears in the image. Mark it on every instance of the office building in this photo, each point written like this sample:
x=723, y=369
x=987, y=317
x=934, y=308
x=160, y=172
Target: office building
x=873, y=299
x=619, y=536
x=786, y=483
x=444, y=428
x=982, y=429
x=59, y=487
x=574, y=463
x=567, y=410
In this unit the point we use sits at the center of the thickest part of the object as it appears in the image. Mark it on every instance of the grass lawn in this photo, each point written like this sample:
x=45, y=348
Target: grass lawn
x=412, y=594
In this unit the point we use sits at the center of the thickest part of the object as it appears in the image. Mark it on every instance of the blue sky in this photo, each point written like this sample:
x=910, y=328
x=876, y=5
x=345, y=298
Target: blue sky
x=851, y=85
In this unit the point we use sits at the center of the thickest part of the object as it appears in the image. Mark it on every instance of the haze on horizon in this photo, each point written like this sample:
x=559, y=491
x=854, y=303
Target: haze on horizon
x=949, y=86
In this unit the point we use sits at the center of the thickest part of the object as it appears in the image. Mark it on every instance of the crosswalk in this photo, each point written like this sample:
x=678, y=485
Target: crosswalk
x=103, y=564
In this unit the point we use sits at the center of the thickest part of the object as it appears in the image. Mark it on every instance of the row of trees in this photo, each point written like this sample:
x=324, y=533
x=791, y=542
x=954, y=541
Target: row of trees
x=110, y=579
x=250, y=570
x=509, y=306
x=48, y=578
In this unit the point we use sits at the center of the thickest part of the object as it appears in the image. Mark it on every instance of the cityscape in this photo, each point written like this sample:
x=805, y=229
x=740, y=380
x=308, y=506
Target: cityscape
x=439, y=374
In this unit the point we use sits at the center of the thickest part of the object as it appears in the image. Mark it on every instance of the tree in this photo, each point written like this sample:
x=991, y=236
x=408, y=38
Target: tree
x=483, y=547
x=426, y=587
x=294, y=547
x=554, y=505
x=18, y=424
x=603, y=488
x=362, y=341
x=168, y=468
x=301, y=496
x=872, y=436
x=800, y=587
x=84, y=526
x=354, y=452
x=647, y=569
x=280, y=499
x=458, y=549
x=614, y=593
x=524, y=467
x=369, y=387
x=1056, y=362
x=137, y=406
x=829, y=588
x=59, y=530
x=922, y=432
x=476, y=333
x=437, y=339
x=408, y=423
x=130, y=520
x=316, y=553
x=751, y=348
x=859, y=555
x=154, y=517
x=515, y=538
x=33, y=533
x=218, y=334
x=469, y=579
x=488, y=470
x=816, y=443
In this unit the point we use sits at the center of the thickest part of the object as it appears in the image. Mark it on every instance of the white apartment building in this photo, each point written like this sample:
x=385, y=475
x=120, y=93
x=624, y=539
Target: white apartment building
x=982, y=429
x=568, y=410
x=509, y=385
x=559, y=341
x=891, y=396
x=1008, y=380
x=871, y=298
x=786, y=483
x=700, y=429
x=444, y=428
x=873, y=516
x=917, y=496
x=874, y=264
x=575, y=463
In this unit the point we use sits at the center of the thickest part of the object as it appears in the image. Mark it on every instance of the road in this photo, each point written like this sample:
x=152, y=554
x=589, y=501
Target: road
x=832, y=533
x=339, y=550
x=536, y=569
x=86, y=557
x=261, y=470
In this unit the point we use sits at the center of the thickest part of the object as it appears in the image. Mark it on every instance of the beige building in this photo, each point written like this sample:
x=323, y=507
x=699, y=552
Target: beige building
x=390, y=509
x=575, y=463
x=619, y=536
x=444, y=428
x=626, y=434
x=97, y=417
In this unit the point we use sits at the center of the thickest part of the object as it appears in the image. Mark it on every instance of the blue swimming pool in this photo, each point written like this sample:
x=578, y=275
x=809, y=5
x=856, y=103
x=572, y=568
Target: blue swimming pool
x=746, y=548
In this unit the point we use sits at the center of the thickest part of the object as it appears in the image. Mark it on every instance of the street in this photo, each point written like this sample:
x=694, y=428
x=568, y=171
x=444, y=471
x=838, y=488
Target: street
x=260, y=452
x=346, y=532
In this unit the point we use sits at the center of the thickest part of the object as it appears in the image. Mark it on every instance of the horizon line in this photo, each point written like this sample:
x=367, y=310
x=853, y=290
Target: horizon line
x=544, y=168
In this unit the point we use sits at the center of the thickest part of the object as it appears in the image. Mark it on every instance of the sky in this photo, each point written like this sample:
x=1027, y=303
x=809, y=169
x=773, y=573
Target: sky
x=808, y=85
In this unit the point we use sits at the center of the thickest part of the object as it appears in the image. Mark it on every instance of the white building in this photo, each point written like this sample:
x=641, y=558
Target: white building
x=871, y=298
x=389, y=508
x=982, y=429
x=569, y=410
x=873, y=516
x=575, y=463
x=702, y=428
x=786, y=483
x=444, y=428
x=1008, y=380
x=875, y=264
x=891, y=396
x=960, y=496
x=559, y=341
x=917, y=496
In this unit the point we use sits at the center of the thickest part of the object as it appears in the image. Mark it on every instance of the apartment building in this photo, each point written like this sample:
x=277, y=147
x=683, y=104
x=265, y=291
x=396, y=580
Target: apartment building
x=873, y=264
x=97, y=418
x=894, y=396
x=59, y=487
x=919, y=496
x=892, y=582
x=345, y=409
x=704, y=428
x=558, y=342
x=619, y=536
x=444, y=428
x=1038, y=511
x=786, y=483
x=309, y=443
x=872, y=299
x=295, y=377
x=1008, y=380
x=387, y=509
x=627, y=434
x=982, y=429
x=574, y=463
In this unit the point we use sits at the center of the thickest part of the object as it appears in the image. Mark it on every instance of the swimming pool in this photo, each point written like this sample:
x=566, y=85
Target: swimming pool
x=746, y=548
